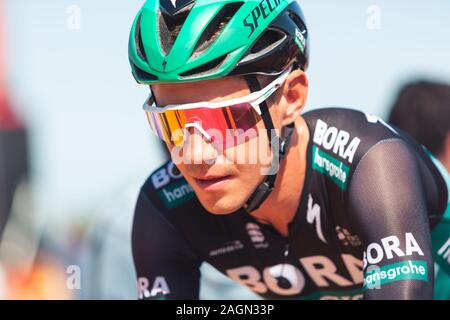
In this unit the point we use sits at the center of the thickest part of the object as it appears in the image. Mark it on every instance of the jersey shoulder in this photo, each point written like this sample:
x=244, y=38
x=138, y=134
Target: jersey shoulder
x=340, y=138
x=347, y=133
x=165, y=210
x=160, y=246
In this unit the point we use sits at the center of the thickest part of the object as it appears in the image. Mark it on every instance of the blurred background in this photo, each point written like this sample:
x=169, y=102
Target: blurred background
x=75, y=146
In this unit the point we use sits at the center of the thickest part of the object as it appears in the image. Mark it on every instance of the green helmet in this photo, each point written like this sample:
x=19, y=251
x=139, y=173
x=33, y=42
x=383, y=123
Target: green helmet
x=192, y=40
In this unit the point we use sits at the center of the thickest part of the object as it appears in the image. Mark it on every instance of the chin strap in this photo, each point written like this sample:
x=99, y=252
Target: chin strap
x=265, y=188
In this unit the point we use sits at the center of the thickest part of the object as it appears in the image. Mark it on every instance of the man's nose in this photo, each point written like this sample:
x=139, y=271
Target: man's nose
x=198, y=148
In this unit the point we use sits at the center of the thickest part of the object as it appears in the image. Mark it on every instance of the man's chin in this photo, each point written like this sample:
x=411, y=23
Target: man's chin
x=222, y=206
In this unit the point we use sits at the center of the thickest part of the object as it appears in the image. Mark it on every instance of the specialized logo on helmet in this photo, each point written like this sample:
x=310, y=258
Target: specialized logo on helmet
x=262, y=10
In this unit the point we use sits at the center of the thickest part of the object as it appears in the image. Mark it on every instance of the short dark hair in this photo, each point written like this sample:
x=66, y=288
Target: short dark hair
x=422, y=109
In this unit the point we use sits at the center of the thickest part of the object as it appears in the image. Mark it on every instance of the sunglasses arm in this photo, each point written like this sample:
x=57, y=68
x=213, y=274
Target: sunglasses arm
x=197, y=126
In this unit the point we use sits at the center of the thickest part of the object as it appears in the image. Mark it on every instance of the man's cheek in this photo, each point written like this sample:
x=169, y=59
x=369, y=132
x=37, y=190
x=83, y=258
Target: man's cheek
x=245, y=153
x=249, y=176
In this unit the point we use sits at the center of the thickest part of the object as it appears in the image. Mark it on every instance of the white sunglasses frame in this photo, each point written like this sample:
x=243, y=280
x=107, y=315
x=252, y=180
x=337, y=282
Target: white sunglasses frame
x=254, y=99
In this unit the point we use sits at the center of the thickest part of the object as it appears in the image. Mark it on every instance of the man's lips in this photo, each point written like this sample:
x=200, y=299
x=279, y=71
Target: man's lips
x=212, y=182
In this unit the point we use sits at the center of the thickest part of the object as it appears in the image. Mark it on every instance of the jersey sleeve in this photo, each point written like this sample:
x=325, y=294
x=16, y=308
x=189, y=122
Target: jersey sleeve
x=387, y=204
x=166, y=267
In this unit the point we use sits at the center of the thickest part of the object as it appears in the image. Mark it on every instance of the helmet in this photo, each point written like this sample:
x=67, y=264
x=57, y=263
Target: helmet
x=193, y=40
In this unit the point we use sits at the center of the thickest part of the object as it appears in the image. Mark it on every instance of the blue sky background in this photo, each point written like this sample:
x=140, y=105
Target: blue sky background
x=89, y=137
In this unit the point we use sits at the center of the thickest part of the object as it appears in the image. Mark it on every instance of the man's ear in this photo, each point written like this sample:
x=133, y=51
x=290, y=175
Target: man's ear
x=295, y=93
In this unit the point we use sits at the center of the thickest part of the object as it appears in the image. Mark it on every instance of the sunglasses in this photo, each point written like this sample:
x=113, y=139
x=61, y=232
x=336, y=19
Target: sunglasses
x=223, y=121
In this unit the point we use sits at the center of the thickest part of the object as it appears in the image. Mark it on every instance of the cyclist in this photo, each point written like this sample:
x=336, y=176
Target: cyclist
x=345, y=205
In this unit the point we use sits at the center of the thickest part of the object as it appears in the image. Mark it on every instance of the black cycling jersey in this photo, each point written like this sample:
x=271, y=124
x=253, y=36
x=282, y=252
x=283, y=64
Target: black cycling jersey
x=370, y=200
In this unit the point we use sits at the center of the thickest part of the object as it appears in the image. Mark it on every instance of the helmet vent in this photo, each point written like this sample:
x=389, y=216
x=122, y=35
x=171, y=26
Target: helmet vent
x=215, y=27
x=271, y=39
x=169, y=27
x=138, y=41
x=144, y=76
x=206, y=68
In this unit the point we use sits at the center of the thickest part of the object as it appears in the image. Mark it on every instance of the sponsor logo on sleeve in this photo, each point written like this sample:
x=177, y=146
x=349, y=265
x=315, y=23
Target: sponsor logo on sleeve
x=391, y=248
x=409, y=269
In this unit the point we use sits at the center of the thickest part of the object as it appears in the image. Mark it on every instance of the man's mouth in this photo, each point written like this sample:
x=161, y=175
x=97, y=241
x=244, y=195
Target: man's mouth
x=211, y=183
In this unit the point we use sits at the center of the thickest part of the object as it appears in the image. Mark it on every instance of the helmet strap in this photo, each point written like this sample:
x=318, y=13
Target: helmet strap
x=265, y=188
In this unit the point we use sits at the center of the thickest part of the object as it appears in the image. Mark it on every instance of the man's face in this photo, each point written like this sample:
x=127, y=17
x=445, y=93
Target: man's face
x=224, y=184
